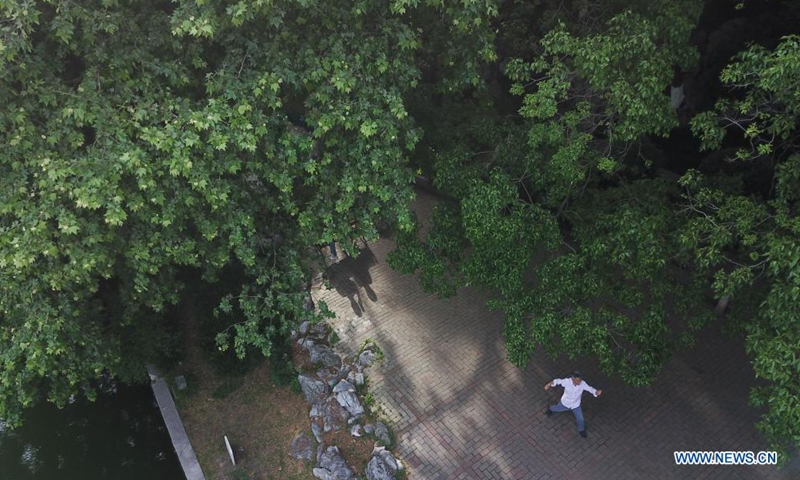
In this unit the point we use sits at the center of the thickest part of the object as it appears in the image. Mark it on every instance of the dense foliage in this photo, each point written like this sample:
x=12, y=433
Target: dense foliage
x=593, y=239
x=147, y=138
x=749, y=235
x=150, y=142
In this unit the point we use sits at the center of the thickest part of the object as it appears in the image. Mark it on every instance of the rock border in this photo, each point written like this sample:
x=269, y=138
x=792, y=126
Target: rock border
x=336, y=404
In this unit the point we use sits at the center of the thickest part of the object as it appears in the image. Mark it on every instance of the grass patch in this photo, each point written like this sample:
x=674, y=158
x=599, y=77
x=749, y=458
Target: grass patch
x=228, y=387
x=191, y=385
x=240, y=475
x=334, y=338
x=400, y=474
x=370, y=344
x=363, y=389
x=283, y=371
x=260, y=419
x=392, y=437
x=251, y=402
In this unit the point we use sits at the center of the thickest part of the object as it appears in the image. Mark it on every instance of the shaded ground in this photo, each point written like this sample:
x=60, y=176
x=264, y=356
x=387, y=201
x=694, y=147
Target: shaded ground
x=259, y=418
x=462, y=411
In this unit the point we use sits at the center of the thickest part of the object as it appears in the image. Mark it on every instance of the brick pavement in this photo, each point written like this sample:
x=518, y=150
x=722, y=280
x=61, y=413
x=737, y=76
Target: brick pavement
x=460, y=410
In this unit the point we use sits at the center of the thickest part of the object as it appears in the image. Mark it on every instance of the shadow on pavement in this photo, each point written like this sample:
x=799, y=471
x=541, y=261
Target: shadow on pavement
x=462, y=411
x=351, y=275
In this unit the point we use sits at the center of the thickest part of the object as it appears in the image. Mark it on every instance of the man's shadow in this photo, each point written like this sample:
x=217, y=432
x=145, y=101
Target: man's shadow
x=350, y=275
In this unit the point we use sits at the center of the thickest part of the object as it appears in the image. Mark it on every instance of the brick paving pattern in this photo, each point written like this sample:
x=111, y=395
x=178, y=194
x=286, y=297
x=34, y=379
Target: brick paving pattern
x=460, y=410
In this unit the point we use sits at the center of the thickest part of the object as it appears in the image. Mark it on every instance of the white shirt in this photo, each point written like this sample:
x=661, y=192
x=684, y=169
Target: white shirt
x=572, y=393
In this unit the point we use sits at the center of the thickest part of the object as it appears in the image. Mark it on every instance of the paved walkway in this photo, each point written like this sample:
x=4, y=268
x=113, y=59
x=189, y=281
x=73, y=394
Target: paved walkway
x=460, y=410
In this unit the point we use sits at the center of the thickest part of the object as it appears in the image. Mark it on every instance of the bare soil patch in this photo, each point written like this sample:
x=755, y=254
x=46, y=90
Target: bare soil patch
x=356, y=451
x=259, y=418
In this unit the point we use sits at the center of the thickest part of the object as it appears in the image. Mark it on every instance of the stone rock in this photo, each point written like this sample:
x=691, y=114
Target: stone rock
x=320, y=329
x=366, y=358
x=315, y=390
x=355, y=430
x=301, y=447
x=333, y=415
x=382, y=465
x=344, y=386
x=303, y=328
x=331, y=377
x=321, y=473
x=333, y=465
x=350, y=401
x=180, y=382
x=320, y=450
x=346, y=396
x=369, y=428
x=306, y=343
x=324, y=355
x=331, y=360
x=382, y=433
x=308, y=304
x=352, y=420
x=356, y=378
x=676, y=97
x=343, y=372
x=316, y=410
x=326, y=375
x=317, y=431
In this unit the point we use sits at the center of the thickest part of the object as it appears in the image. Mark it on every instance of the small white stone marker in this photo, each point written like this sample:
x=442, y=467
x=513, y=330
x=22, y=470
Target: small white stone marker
x=230, y=450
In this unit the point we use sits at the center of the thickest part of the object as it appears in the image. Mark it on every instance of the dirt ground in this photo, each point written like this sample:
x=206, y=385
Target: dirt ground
x=259, y=418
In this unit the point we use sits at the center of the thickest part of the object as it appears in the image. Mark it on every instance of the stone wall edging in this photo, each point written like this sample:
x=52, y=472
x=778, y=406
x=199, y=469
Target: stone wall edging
x=335, y=398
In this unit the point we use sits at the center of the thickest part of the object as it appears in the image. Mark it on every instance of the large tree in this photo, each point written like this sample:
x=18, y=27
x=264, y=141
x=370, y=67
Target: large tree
x=559, y=210
x=564, y=213
x=142, y=138
x=745, y=226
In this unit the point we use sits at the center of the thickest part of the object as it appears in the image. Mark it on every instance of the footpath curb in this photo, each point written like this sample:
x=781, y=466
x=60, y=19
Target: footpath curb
x=177, y=433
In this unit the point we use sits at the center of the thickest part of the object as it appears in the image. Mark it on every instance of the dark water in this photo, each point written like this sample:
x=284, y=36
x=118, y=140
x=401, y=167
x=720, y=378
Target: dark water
x=120, y=436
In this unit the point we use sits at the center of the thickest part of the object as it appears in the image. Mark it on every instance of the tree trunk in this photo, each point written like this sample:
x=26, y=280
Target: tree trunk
x=722, y=305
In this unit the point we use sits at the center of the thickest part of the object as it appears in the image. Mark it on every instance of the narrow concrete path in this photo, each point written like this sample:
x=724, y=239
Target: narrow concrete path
x=460, y=410
x=180, y=441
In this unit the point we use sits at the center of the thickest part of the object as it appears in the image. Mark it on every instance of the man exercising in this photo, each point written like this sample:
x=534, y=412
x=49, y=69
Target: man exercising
x=571, y=399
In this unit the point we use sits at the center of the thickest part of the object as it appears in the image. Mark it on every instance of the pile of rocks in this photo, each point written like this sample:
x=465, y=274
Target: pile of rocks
x=335, y=404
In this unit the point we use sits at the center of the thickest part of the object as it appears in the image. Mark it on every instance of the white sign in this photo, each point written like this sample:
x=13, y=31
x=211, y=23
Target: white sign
x=230, y=450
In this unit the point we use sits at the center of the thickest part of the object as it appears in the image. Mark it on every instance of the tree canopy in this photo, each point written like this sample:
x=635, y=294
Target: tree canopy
x=149, y=140
x=594, y=240
x=575, y=161
x=146, y=137
x=748, y=236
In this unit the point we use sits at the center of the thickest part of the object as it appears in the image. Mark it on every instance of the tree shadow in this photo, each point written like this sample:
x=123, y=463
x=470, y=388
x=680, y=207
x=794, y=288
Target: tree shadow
x=461, y=410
